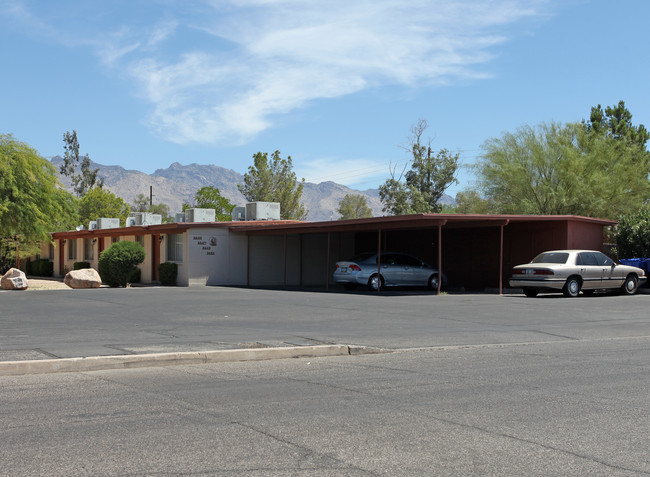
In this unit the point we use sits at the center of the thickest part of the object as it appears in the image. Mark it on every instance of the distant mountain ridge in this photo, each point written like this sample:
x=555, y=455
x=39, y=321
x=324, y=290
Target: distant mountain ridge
x=178, y=183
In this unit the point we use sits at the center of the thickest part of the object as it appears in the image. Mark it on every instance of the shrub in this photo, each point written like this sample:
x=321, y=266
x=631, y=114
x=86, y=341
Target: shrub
x=28, y=268
x=43, y=268
x=167, y=273
x=633, y=235
x=136, y=276
x=118, y=262
x=80, y=265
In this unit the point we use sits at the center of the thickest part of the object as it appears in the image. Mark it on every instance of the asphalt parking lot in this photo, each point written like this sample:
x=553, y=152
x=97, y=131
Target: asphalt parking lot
x=103, y=322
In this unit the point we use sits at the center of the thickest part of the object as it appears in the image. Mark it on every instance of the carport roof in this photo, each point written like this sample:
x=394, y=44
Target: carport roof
x=279, y=227
x=413, y=221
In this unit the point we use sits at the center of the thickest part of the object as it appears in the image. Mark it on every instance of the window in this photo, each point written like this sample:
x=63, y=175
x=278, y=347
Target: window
x=72, y=249
x=51, y=251
x=175, y=247
x=89, y=250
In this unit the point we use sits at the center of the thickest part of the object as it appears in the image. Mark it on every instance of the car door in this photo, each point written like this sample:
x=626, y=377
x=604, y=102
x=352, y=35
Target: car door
x=611, y=275
x=590, y=270
x=390, y=268
x=413, y=273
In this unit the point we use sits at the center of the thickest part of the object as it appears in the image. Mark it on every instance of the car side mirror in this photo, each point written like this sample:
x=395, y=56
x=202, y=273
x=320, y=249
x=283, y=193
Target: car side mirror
x=613, y=265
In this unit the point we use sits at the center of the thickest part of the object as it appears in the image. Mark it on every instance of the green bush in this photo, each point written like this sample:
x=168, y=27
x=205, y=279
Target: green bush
x=118, y=262
x=42, y=268
x=633, y=235
x=167, y=273
x=136, y=276
x=80, y=265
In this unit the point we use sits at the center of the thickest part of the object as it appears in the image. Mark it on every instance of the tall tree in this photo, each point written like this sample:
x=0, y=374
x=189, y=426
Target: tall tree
x=210, y=197
x=616, y=122
x=99, y=202
x=471, y=202
x=32, y=203
x=354, y=206
x=424, y=184
x=87, y=178
x=563, y=169
x=274, y=181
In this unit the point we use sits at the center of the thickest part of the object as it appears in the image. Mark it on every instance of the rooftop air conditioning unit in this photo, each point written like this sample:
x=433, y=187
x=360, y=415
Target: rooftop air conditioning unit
x=131, y=221
x=239, y=213
x=179, y=217
x=200, y=215
x=92, y=225
x=263, y=211
x=145, y=218
x=106, y=223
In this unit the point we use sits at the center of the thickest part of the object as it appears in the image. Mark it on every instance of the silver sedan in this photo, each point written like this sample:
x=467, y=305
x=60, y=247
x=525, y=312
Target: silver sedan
x=572, y=271
x=395, y=269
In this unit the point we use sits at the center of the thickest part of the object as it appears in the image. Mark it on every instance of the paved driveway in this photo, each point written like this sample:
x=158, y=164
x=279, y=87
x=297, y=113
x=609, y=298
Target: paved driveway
x=106, y=321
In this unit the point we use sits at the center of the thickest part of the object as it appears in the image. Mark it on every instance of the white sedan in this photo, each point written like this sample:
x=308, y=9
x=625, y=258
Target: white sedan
x=572, y=271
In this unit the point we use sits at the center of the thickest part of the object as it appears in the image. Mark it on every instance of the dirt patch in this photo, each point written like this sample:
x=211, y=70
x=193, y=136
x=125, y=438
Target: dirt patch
x=40, y=284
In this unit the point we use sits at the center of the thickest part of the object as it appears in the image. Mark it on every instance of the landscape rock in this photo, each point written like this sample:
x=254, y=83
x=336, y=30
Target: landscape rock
x=84, y=278
x=14, y=279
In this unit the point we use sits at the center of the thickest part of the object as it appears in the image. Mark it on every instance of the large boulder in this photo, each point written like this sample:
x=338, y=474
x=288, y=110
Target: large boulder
x=84, y=278
x=14, y=279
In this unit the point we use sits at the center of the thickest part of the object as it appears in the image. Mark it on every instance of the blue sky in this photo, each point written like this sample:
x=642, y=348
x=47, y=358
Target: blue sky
x=336, y=84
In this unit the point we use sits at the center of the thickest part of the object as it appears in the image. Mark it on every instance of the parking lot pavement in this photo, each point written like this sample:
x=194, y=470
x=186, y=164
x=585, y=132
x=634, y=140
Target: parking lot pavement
x=56, y=324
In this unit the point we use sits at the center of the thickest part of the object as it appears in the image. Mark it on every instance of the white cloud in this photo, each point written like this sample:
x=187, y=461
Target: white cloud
x=222, y=71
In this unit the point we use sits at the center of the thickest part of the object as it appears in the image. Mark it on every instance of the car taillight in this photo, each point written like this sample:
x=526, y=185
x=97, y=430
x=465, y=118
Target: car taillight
x=355, y=268
x=543, y=272
x=336, y=267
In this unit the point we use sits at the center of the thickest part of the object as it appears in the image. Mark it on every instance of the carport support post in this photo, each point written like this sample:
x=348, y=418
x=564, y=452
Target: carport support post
x=439, y=258
x=327, y=265
x=379, y=260
x=285, y=262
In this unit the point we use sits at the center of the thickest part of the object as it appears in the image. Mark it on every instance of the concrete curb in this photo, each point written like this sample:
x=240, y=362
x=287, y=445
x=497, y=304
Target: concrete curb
x=99, y=363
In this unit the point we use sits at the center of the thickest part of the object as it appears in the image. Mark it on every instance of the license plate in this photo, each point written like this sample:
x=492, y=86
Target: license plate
x=344, y=269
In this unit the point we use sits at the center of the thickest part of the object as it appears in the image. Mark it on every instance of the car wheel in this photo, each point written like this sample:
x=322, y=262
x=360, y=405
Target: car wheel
x=376, y=282
x=572, y=287
x=350, y=286
x=630, y=285
x=531, y=292
x=433, y=282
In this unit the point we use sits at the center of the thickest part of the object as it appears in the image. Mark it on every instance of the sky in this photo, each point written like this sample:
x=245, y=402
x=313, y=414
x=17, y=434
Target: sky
x=336, y=84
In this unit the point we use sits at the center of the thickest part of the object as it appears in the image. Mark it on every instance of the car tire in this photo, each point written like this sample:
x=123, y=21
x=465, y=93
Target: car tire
x=433, y=282
x=376, y=281
x=630, y=285
x=572, y=287
x=531, y=292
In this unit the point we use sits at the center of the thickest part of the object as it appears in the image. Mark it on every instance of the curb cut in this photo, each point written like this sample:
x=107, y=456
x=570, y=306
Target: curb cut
x=100, y=363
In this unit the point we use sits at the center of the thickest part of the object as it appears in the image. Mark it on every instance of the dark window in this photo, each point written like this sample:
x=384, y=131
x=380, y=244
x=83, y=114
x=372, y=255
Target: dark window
x=551, y=257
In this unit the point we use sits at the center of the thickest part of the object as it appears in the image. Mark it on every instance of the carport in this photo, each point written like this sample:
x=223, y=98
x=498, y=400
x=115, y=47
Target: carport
x=474, y=251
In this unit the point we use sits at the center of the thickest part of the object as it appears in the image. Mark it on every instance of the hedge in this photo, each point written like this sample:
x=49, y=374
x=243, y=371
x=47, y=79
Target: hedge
x=167, y=273
x=118, y=262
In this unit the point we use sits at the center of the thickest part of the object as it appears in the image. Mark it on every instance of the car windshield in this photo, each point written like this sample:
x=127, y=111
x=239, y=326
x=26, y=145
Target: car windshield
x=551, y=257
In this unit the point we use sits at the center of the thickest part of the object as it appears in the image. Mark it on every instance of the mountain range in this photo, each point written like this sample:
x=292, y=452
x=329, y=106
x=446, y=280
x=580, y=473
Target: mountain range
x=178, y=183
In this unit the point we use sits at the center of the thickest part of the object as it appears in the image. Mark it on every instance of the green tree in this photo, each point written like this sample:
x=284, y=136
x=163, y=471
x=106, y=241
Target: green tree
x=632, y=235
x=616, y=123
x=142, y=204
x=32, y=203
x=85, y=180
x=471, y=202
x=425, y=183
x=210, y=198
x=99, y=202
x=562, y=169
x=274, y=181
x=354, y=206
